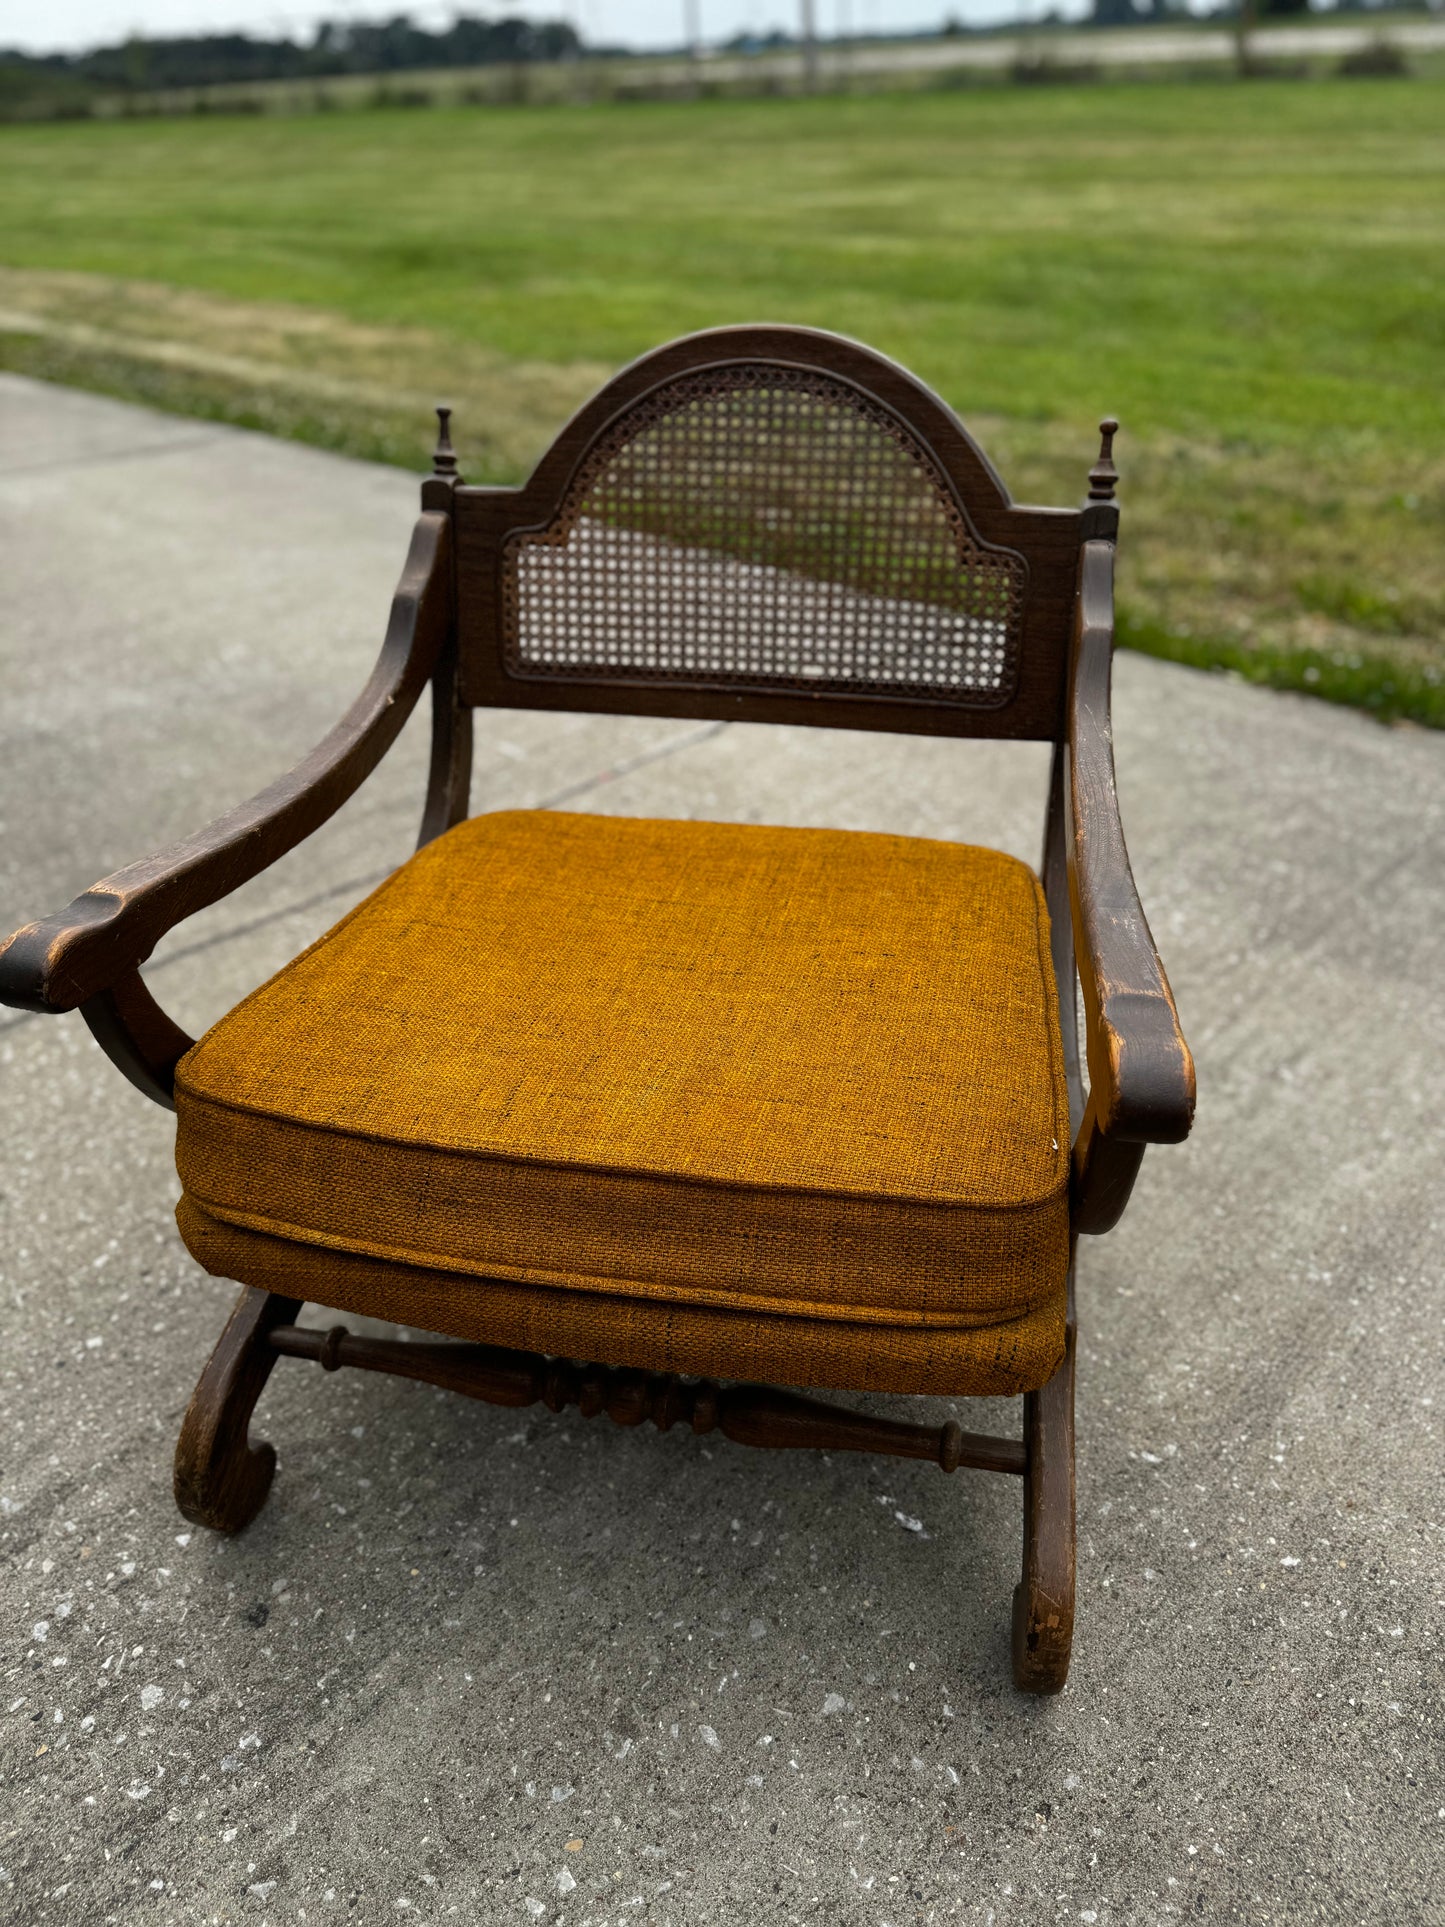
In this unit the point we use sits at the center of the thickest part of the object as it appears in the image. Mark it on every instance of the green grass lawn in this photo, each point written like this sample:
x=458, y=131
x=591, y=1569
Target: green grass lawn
x=1248, y=275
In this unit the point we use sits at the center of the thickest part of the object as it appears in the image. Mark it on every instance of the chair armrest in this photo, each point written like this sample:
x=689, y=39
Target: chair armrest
x=1141, y=1075
x=113, y=927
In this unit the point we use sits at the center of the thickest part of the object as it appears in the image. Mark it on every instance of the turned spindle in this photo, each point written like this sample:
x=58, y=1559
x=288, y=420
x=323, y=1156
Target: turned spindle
x=1103, y=476
x=746, y=1414
x=444, y=456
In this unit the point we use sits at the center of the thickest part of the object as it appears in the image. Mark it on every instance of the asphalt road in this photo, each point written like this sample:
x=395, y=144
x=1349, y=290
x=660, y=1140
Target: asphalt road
x=490, y=1667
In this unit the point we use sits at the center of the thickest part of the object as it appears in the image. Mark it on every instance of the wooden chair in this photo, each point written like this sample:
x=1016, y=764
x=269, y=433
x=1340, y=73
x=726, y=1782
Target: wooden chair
x=706, y=1102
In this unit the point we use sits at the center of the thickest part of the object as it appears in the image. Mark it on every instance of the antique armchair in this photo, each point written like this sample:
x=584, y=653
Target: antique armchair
x=704, y=1103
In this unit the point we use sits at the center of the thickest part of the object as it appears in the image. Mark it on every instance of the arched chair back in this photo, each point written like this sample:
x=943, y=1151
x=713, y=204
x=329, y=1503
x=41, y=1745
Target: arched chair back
x=770, y=523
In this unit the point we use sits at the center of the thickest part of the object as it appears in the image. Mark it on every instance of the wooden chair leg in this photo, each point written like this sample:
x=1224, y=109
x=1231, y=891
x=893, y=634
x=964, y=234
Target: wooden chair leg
x=1043, y=1610
x=221, y=1479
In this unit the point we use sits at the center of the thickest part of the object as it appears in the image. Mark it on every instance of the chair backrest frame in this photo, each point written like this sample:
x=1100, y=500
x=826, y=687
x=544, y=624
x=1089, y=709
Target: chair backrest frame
x=1041, y=546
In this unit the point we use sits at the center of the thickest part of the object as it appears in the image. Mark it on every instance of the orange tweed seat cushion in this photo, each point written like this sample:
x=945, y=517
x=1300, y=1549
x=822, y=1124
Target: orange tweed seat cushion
x=696, y=1096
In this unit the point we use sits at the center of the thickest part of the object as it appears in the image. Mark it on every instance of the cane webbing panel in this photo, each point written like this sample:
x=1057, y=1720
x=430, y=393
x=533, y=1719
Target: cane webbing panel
x=765, y=527
x=767, y=1073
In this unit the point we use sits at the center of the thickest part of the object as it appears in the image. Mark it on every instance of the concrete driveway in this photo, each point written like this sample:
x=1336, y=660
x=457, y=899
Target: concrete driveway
x=480, y=1666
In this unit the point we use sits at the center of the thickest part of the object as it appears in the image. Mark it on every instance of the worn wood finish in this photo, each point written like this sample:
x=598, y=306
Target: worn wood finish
x=1054, y=871
x=1104, y=1168
x=1043, y=1606
x=221, y=1479
x=1047, y=538
x=109, y=931
x=1141, y=1075
x=138, y=1037
x=449, y=778
x=748, y=1414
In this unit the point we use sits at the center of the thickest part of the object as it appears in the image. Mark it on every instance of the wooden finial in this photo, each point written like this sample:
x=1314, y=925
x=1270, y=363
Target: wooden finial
x=1103, y=475
x=444, y=460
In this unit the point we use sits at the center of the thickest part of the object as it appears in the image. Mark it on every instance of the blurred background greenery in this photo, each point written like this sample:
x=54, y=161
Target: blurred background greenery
x=1248, y=273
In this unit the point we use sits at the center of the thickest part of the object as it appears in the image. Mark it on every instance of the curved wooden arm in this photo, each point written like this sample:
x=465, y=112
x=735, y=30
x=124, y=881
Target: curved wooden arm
x=1141, y=1075
x=106, y=933
x=138, y=1037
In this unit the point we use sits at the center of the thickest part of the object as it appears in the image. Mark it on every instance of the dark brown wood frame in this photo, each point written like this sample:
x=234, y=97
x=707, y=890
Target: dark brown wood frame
x=444, y=631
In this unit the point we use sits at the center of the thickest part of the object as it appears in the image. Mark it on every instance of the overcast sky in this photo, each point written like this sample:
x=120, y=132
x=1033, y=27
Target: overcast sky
x=48, y=26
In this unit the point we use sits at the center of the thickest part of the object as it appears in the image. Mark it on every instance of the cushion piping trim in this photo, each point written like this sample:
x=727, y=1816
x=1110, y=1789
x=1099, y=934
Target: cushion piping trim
x=673, y=1180
x=742, y=1303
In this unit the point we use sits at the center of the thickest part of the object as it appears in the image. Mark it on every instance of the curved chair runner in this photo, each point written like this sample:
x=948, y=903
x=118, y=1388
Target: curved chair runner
x=704, y=1101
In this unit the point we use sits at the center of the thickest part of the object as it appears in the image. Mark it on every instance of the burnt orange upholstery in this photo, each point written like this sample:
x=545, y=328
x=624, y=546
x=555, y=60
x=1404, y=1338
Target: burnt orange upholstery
x=696, y=1096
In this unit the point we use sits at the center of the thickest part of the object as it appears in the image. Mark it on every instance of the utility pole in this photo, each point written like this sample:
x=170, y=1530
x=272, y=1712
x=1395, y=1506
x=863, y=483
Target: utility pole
x=810, y=46
x=692, y=28
x=1246, y=15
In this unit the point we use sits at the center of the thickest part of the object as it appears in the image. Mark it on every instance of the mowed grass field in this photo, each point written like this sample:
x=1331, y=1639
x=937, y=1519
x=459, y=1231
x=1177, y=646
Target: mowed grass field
x=1251, y=276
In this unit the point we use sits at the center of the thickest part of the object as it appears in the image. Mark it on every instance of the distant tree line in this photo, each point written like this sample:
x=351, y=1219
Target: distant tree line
x=1129, y=13
x=133, y=72
x=351, y=47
